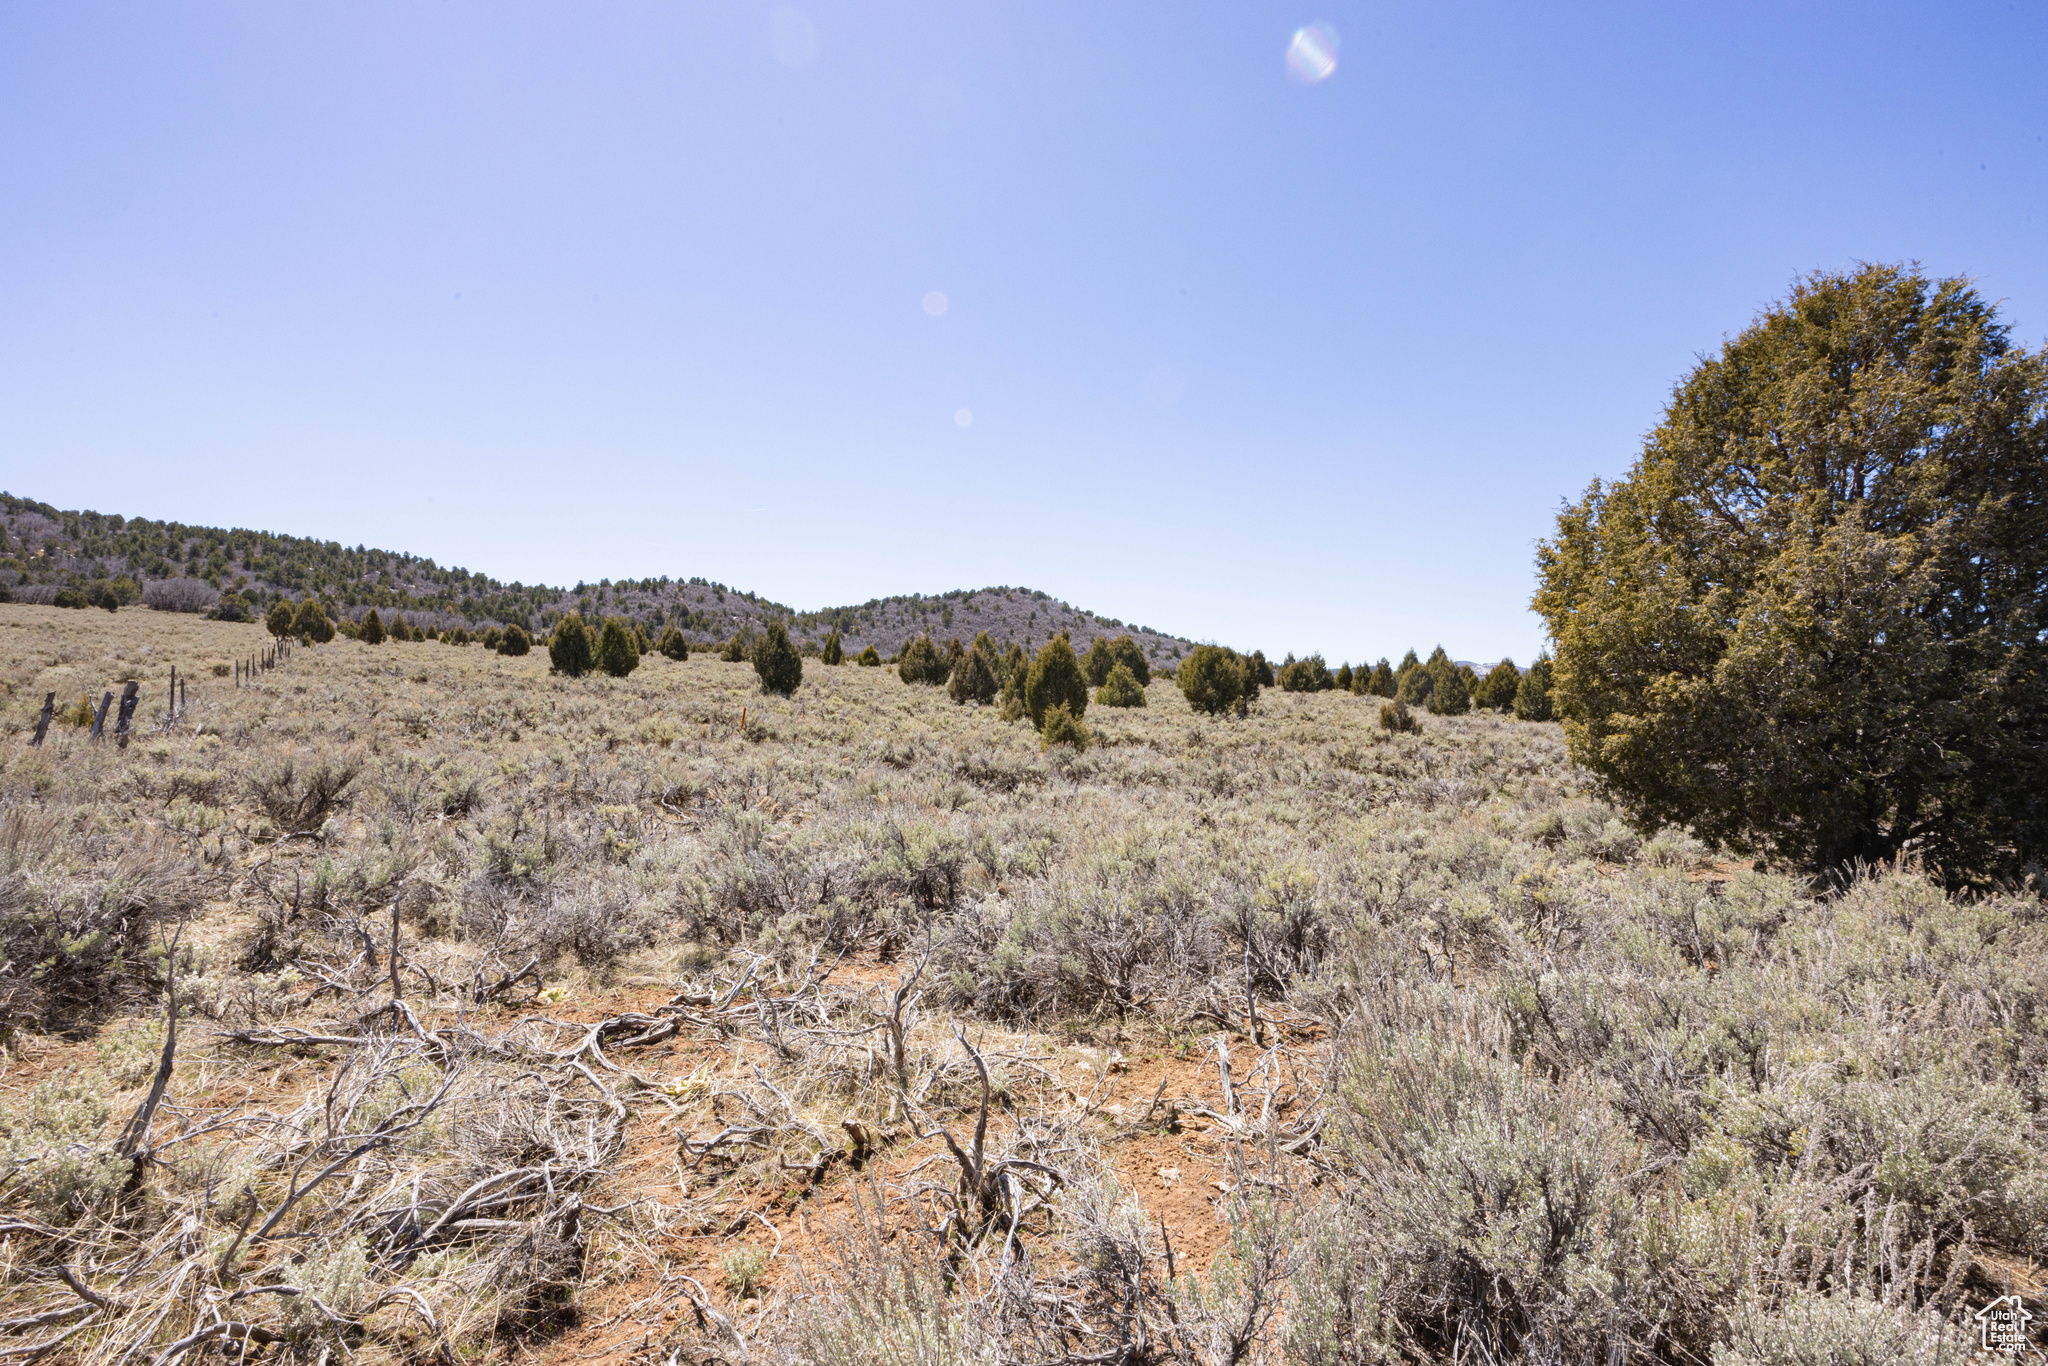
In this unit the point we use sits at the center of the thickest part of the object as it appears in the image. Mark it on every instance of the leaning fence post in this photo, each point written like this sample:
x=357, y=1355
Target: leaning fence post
x=181, y=699
x=99, y=720
x=43, y=721
x=171, y=702
x=131, y=693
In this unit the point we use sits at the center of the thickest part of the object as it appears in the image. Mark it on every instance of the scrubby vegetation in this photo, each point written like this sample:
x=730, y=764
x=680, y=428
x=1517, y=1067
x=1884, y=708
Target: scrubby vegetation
x=541, y=1015
x=777, y=663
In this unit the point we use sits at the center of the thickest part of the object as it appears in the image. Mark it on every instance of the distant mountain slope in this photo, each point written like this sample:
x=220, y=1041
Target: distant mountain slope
x=191, y=568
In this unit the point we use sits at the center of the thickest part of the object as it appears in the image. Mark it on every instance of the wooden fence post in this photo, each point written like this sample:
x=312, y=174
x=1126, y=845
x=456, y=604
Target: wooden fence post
x=131, y=693
x=181, y=698
x=99, y=720
x=43, y=721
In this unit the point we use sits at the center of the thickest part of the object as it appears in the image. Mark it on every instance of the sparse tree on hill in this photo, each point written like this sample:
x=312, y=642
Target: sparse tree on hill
x=1304, y=675
x=514, y=641
x=370, y=630
x=777, y=662
x=1216, y=680
x=1383, y=683
x=1496, y=691
x=1345, y=678
x=311, y=621
x=1811, y=621
x=278, y=621
x=1096, y=664
x=569, y=651
x=673, y=645
x=1260, y=672
x=1395, y=717
x=977, y=677
x=618, y=649
x=1449, y=694
x=1061, y=726
x=833, y=652
x=1414, y=685
x=738, y=647
x=1016, y=668
x=920, y=662
x=870, y=658
x=1532, y=694
x=1106, y=653
x=491, y=636
x=1121, y=688
x=1055, y=679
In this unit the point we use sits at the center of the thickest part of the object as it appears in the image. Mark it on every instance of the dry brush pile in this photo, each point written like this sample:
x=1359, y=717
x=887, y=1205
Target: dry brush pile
x=577, y=1017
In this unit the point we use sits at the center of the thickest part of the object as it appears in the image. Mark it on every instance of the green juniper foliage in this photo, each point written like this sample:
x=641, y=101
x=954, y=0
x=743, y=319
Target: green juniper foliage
x=1414, y=685
x=514, y=641
x=1121, y=688
x=833, y=652
x=673, y=645
x=1261, y=673
x=1811, y=621
x=1383, y=683
x=777, y=662
x=1107, y=652
x=569, y=651
x=978, y=675
x=1061, y=726
x=370, y=630
x=1532, y=694
x=1304, y=675
x=921, y=662
x=1345, y=678
x=1396, y=717
x=280, y=619
x=1217, y=681
x=618, y=649
x=312, y=622
x=1496, y=691
x=1449, y=692
x=1055, y=679
x=870, y=658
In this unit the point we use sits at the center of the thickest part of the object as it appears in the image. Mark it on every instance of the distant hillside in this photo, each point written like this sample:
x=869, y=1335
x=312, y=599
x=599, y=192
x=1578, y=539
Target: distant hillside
x=206, y=569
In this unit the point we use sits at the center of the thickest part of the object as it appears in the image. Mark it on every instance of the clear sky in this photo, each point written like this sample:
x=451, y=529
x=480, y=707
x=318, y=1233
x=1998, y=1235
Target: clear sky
x=611, y=289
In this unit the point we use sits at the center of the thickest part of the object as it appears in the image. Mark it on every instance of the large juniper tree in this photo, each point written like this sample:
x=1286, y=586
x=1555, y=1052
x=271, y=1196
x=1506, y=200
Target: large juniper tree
x=1809, y=620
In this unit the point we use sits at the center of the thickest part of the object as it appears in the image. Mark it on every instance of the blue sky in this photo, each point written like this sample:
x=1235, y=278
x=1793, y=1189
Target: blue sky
x=615, y=289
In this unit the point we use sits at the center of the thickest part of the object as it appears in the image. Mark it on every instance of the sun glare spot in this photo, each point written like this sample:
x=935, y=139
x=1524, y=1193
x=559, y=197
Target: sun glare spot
x=1312, y=56
x=964, y=418
x=935, y=303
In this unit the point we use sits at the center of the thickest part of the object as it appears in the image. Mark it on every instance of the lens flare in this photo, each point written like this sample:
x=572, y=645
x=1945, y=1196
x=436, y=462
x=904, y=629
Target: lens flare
x=964, y=418
x=1312, y=56
x=936, y=303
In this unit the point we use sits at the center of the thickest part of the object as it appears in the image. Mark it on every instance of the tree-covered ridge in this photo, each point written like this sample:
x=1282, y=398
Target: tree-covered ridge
x=46, y=549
